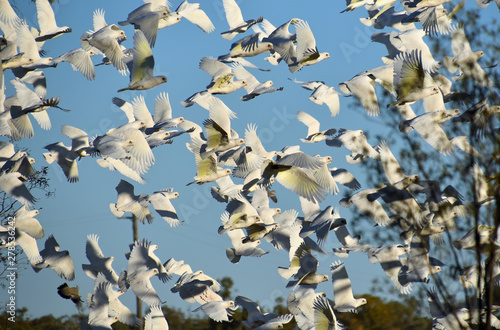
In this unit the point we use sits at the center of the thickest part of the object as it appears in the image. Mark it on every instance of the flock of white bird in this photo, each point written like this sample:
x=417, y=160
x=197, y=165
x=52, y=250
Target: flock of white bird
x=423, y=209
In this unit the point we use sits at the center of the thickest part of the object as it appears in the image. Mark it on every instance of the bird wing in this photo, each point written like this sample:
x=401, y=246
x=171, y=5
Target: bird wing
x=79, y=138
x=214, y=68
x=163, y=110
x=46, y=17
x=98, y=21
x=233, y=13
x=155, y=319
x=27, y=98
x=345, y=178
x=143, y=62
x=12, y=184
x=126, y=107
x=305, y=39
x=308, y=120
x=138, y=259
x=409, y=73
x=242, y=74
x=141, y=111
x=342, y=289
x=301, y=183
x=195, y=15
x=80, y=61
x=92, y=249
x=161, y=203
x=324, y=317
x=390, y=164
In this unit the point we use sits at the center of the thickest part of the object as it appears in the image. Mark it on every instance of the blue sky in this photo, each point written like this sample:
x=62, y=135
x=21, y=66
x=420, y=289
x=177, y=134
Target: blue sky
x=80, y=209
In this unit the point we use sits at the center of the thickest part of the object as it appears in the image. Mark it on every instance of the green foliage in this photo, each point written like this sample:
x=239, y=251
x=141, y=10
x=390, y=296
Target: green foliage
x=46, y=322
x=378, y=314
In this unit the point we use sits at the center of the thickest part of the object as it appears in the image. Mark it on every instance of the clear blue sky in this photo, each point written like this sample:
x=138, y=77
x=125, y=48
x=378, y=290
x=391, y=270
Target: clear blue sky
x=80, y=209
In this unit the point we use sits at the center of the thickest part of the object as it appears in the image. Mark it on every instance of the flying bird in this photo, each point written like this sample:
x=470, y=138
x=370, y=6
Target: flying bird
x=142, y=65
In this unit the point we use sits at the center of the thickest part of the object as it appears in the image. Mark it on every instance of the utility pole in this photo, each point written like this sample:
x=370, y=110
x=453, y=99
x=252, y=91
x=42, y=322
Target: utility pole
x=135, y=233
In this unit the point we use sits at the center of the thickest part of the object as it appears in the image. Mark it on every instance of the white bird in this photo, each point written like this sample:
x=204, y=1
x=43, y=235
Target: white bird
x=59, y=261
x=283, y=40
x=307, y=52
x=98, y=262
x=484, y=3
x=353, y=4
x=193, y=13
x=276, y=323
x=313, y=132
x=345, y=178
x=206, y=169
x=116, y=164
x=107, y=39
x=254, y=159
x=128, y=144
x=319, y=221
x=412, y=41
x=138, y=274
x=412, y=82
x=98, y=305
x=300, y=303
x=222, y=76
x=218, y=310
x=63, y=156
x=153, y=262
x=260, y=200
x=24, y=221
x=294, y=178
x=7, y=14
x=248, y=47
x=173, y=266
x=79, y=60
x=239, y=214
x=13, y=185
x=342, y=290
x=324, y=316
x=428, y=126
x=47, y=22
x=465, y=60
x=254, y=313
x=326, y=95
x=483, y=193
x=368, y=206
x=253, y=86
x=127, y=201
x=155, y=320
x=363, y=87
x=34, y=104
x=235, y=20
x=226, y=190
x=22, y=239
x=479, y=116
x=197, y=287
x=29, y=49
x=147, y=17
x=356, y=142
x=141, y=71
x=240, y=248
x=160, y=200
x=388, y=257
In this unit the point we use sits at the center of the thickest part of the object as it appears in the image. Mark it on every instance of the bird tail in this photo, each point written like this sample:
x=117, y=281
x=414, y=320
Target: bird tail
x=49, y=157
x=232, y=256
x=286, y=272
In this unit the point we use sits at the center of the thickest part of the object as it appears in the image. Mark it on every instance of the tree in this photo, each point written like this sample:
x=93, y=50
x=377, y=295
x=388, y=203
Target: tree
x=38, y=180
x=435, y=172
x=477, y=220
